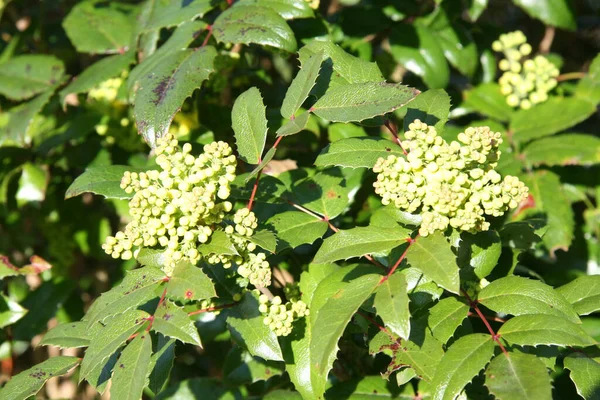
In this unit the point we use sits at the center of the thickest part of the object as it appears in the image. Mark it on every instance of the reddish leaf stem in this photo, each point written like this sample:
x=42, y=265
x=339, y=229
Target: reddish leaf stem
x=495, y=319
x=410, y=241
x=160, y=302
x=215, y=308
x=394, y=130
x=375, y=323
x=496, y=337
x=255, y=188
x=209, y=29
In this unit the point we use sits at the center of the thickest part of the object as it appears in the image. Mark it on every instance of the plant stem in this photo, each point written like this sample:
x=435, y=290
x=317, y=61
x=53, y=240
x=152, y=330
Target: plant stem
x=570, y=75
x=394, y=130
x=402, y=257
x=215, y=308
x=496, y=337
x=210, y=30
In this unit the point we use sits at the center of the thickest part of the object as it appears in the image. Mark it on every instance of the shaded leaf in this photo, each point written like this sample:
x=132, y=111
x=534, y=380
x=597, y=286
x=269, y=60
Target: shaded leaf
x=567, y=149
x=219, y=243
x=264, y=239
x=583, y=293
x=585, y=373
x=359, y=152
x=488, y=100
x=295, y=228
x=518, y=376
x=131, y=371
x=293, y=126
x=325, y=192
x=241, y=368
x=67, y=335
x=555, y=13
x=190, y=283
x=254, y=24
x=391, y=303
x=288, y=9
x=161, y=363
x=588, y=87
x=433, y=256
x=533, y=330
x=172, y=321
x=250, y=125
x=431, y=107
x=199, y=388
x=445, y=317
x=158, y=14
x=103, y=180
x=25, y=76
x=301, y=85
x=480, y=252
x=390, y=216
x=10, y=311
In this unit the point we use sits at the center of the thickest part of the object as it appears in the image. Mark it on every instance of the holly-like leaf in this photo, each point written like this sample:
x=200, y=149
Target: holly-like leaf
x=189, y=282
x=219, y=243
x=390, y=216
x=172, y=321
x=132, y=369
x=325, y=192
x=583, y=293
x=10, y=311
x=293, y=126
x=137, y=288
x=391, y=303
x=162, y=91
x=103, y=180
x=431, y=107
x=247, y=328
x=357, y=152
x=480, y=252
x=488, y=100
x=264, y=239
x=295, y=228
x=588, y=88
x=445, y=317
x=98, y=27
x=463, y=361
x=419, y=51
x=359, y=101
x=97, y=73
x=340, y=296
x=433, y=256
x=359, y=241
x=585, y=372
x=521, y=296
x=301, y=85
x=518, y=376
x=106, y=339
x=550, y=117
x=288, y=9
x=158, y=14
x=254, y=24
x=263, y=163
x=161, y=363
x=30, y=381
x=550, y=197
x=67, y=335
x=533, y=330
x=241, y=368
x=567, y=149
x=250, y=125
x=556, y=13
x=23, y=77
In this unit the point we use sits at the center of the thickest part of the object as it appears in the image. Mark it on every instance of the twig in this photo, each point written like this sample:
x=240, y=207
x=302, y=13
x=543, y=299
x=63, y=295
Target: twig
x=570, y=75
x=547, y=40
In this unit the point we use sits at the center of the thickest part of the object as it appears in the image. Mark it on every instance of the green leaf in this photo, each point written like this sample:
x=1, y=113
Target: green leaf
x=294, y=228
x=359, y=152
x=390, y=216
x=106, y=339
x=325, y=193
x=518, y=376
x=10, y=311
x=99, y=28
x=199, y=388
x=16, y=124
x=340, y=296
x=488, y=100
x=288, y=9
x=567, y=149
x=241, y=368
x=301, y=85
x=480, y=252
x=588, y=88
x=264, y=239
x=30, y=381
x=556, y=13
x=162, y=91
x=431, y=107
x=433, y=256
x=585, y=373
x=132, y=369
x=189, y=282
x=250, y=125
x=247, y=328
x=521, y=296
x=363, y=388
x=103, y=180
x=158, y=14
x=94, y=75
x=174, y=322
x=583, y=293
x=445, y=317
x=161, y=363
x=391, y=302
x=32, y=184
x=533, y=330
x=419, y=51
x=219, y=243
x=550, y=117
x=67, y=335
x=357, y=242
x=154, y=258
x=476, y=9
x=137, y=288
x=550, y=198
x=293, y=126
x=463, y=361
x=263, y=163
x=360, y=101
x=254, y=24
x=23, y=77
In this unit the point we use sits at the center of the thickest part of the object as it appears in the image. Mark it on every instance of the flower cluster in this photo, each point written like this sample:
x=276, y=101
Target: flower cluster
x=452, y=184
x=179, y=207
x=107, y=91
x=278, y=316
x=524, y=83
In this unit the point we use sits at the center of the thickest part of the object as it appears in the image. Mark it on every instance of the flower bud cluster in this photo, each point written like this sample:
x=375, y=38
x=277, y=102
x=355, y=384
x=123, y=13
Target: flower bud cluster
x=107, y=91
x=524, y=83
x=178, y=207
x=451, y=184
x=278, y=316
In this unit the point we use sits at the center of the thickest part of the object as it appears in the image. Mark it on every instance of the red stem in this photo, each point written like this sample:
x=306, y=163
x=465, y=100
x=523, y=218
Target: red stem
x=255, y=188
x=402, y=257
x=394, y=130
x=210, y=30
x=160, y=302
x=372, y=321
x=495, y=336
x=209, y=309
